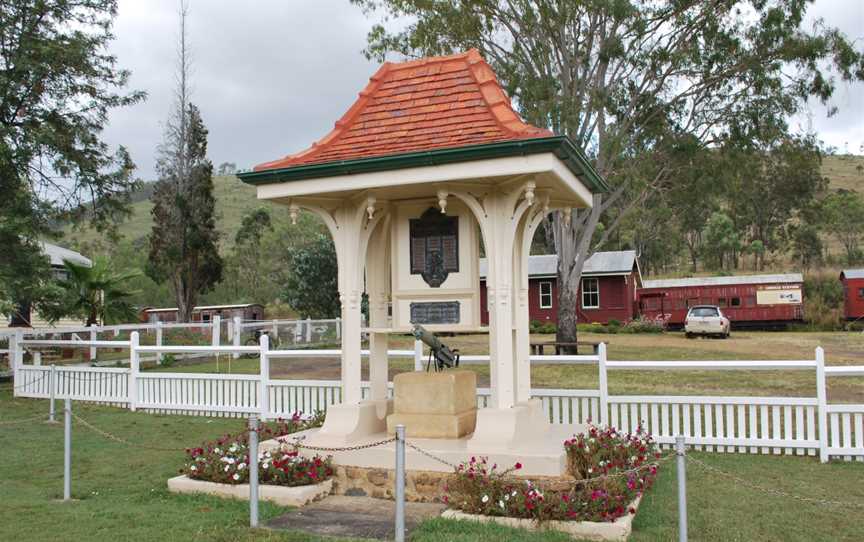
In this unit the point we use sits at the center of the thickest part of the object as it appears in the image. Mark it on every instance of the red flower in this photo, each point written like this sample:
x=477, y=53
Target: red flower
x=517, y=466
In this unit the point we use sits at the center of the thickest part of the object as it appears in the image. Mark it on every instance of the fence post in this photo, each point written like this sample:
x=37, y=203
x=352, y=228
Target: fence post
x=822, y=404
x=134, y=362
x=52, y=382
x=681, y=452
x=93, y=337
x=338, y=328
x=604, y=385
x=216, y=330
x=253, y=470
x=400, y=483
x=275, y=329
x=308, y=330
x=159, y=342
x=418, y=355
x=37, y=358
x=264, y=379
x=67, y=450
x=237, y=332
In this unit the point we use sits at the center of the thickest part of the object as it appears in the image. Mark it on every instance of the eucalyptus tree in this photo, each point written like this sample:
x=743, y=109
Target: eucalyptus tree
x=58, y=83
x=627, y=80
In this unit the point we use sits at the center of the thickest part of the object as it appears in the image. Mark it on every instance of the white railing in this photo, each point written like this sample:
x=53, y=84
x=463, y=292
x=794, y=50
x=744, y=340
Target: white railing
x=775, y=425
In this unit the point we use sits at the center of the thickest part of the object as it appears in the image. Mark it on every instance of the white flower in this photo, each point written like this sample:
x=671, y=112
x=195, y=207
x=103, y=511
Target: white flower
x=590, y=471
x=266, y=465
x=241, y=466
x=233, y=448
x=217, y=451
x=236, y=477
x=193, y=468
x=485, y=499
x=501, y=504
x=507, y=497
x=514, y=493
x=227, y=468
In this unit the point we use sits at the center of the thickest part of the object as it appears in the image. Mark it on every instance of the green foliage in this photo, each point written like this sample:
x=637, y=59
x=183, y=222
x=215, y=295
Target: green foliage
x=806, y=246
x=844, y=218
x=823, y=302
x=722, y=240
x=184, y=240
x=98, y=294
x=168, y=360
x=57, y=85
x=311, y=279
x=536, y=326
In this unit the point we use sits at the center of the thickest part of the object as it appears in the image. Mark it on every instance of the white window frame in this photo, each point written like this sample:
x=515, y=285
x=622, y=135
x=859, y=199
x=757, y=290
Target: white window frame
x=594, y=291
x=549, y=293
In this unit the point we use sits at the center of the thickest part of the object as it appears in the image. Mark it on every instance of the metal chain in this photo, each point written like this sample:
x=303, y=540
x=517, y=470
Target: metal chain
x=24, y=420
x=19, y=386
x=115, y=438
x=769, y=491
x=297, y=444
x=430, y=455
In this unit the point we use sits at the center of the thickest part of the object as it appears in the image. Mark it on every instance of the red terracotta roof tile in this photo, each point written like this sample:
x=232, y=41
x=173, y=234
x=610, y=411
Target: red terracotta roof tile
x=420, y=105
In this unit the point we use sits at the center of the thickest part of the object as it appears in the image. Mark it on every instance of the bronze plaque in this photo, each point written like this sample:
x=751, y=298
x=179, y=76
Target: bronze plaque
x=436, y=312
x=434, y=246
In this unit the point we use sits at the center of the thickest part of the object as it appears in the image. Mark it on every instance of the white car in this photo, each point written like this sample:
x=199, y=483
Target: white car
x=706, y=320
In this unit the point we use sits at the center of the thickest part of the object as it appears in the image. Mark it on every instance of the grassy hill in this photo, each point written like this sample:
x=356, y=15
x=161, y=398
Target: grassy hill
x=233, y=200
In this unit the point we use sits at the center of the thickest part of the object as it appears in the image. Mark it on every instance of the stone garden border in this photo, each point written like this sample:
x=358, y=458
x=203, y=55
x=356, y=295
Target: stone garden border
x=281, y=495
x=618, y=530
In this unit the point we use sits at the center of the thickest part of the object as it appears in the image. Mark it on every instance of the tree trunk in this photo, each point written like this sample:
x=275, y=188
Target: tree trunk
x=567, y=317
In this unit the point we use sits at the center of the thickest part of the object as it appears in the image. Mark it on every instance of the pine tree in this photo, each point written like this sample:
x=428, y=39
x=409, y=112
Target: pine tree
x=184, y=240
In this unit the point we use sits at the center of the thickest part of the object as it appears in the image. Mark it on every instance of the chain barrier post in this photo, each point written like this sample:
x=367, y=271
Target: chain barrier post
x=52, y=380
x=253, y=470
x=400, y=483
x=680, y=451
x=67, y=451
x=264, y=376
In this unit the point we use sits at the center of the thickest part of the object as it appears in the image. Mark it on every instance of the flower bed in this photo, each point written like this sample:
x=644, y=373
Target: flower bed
x=610, y=471
x=226, y=460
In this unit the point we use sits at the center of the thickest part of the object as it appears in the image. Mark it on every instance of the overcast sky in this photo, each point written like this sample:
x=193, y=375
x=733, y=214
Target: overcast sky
x=272, y=76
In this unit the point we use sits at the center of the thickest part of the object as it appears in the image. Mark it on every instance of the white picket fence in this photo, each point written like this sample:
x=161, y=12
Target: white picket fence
x=767, y=425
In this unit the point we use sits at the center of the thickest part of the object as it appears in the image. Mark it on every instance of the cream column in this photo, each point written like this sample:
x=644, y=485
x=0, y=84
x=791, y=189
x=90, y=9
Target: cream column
x=351, y=225
x=378, y=289
x=522, y=344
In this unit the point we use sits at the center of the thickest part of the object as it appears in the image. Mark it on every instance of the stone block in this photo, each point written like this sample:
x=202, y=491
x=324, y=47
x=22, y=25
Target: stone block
x=434, y=425
x=447, y=392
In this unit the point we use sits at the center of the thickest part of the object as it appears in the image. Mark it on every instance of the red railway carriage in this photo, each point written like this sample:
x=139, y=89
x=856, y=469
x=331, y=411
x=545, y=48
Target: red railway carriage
x=607, y=292
x=853, y=293
x=747, y=300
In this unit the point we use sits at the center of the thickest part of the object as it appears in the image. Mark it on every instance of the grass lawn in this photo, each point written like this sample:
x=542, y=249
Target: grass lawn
x=121, y=492
x=841, y=348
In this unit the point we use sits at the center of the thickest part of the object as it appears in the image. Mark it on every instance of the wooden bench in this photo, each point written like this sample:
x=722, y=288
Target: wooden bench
x=559, y=347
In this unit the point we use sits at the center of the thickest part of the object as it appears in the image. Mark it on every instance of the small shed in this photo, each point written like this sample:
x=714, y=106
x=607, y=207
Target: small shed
x=607, y=290
x=747, y=300
x=853, y=293
x=246, y=311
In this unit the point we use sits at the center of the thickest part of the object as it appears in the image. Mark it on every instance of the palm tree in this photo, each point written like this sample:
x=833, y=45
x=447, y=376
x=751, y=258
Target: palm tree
x=97, y=293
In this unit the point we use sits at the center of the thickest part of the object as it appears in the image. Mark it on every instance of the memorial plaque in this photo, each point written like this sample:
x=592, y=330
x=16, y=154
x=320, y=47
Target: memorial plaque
x=439, y=312
x=434, y=246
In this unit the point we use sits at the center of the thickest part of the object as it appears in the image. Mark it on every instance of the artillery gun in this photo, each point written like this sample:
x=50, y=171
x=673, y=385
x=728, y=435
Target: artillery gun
x=440, y=355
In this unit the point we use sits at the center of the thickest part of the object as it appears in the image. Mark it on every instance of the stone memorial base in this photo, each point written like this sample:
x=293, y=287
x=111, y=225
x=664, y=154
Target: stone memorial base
x=434, y=405
x=281, y=495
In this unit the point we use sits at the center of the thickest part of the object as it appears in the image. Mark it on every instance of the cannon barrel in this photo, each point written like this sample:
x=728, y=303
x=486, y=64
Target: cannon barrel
x=444, y=357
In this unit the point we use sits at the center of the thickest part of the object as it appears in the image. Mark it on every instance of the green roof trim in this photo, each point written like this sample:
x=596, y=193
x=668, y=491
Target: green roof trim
x=561, y=146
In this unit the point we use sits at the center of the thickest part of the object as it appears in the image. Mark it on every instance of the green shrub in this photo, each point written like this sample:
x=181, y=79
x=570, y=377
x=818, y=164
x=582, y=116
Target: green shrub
x=823, y=302
x=168, y=360
x=643, y=325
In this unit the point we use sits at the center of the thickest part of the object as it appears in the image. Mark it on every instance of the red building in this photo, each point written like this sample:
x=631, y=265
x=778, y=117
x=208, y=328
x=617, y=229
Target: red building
x=608, y=289
x=747, y=300
x=853, y=293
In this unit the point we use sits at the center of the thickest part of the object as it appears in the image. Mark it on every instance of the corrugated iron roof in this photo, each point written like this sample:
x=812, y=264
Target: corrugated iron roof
x=619, y=262
x=853, y=273
x=787, y=278
x=58, y=254
x=207, y=307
